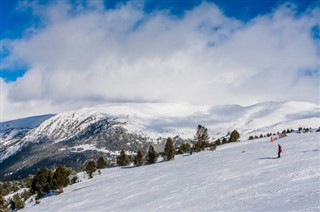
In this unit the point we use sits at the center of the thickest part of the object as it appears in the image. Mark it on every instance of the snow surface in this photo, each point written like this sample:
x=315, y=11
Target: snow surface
x=167, y=120
x=155, y=120
x=10, y=129
x=85, y=147
x=24, y=123
x=241, y=176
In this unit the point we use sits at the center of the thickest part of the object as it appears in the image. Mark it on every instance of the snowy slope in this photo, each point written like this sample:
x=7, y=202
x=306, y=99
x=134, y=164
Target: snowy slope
x=240, y=176
x=154, y=120
x=9, y=130
x=165, y=119
x=26, y=123
x=146, y=118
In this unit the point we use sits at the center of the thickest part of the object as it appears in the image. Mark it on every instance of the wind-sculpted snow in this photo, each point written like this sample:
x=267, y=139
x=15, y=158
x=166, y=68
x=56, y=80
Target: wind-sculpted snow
x=243, y=176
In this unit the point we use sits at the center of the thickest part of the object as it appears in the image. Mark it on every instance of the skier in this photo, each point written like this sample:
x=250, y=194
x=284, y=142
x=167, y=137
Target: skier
x=279, y=150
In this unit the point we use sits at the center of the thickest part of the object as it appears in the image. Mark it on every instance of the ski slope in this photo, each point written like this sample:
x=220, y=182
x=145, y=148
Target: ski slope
x=236, y=177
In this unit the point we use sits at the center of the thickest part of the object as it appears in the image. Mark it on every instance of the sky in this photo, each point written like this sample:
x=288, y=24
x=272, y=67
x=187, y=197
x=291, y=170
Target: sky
x=67, y=54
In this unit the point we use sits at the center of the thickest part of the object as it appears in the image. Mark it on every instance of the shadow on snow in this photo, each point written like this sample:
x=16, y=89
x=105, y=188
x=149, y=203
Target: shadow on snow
x=267, y=158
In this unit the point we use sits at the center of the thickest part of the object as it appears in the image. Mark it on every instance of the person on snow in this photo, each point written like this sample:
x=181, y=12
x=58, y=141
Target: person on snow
x=279, y=150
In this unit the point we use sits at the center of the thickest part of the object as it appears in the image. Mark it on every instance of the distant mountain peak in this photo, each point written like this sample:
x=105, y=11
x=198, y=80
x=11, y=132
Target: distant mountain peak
x=134, y=126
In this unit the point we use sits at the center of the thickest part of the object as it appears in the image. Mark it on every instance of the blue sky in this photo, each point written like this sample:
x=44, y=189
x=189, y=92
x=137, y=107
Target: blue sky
x=125, y=51
x=15, y=21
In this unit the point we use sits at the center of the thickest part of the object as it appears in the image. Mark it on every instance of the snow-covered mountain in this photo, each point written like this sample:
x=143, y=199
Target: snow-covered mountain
x=241, y=176
x=78, y=135
x=16, y=128
x=11, y=132
x=158, y=119
x=24, y=123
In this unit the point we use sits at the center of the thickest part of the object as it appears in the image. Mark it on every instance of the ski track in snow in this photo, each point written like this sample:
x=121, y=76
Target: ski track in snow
x=227, y=179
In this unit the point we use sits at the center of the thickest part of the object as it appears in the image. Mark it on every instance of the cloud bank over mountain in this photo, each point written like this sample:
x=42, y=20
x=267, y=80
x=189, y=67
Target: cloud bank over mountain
x=84, y=56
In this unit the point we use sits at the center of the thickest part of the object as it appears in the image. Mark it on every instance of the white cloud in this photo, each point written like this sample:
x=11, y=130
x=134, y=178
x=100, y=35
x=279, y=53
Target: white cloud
x=96, y=56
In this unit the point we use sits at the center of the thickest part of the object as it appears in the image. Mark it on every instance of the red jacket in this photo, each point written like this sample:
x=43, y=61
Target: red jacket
x=279, y=149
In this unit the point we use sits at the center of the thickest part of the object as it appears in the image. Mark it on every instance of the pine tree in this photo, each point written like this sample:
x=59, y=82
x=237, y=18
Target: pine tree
x=122, y=159
x=201, y=139
x=91, y=168
x=101, y=163
x=42, y=183
x=139, y=159
x=61, y=177
x=169, y=150
x=184, y=148
x=3, y=204
x=224, y=140
x=25, y=194
x=152, y=155
x=218, y=142
x=19, y=202
x=234, y=136
x=27, y=181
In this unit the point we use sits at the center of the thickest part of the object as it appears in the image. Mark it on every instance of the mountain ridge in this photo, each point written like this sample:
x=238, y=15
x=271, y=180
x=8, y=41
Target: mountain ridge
x=134, y=126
